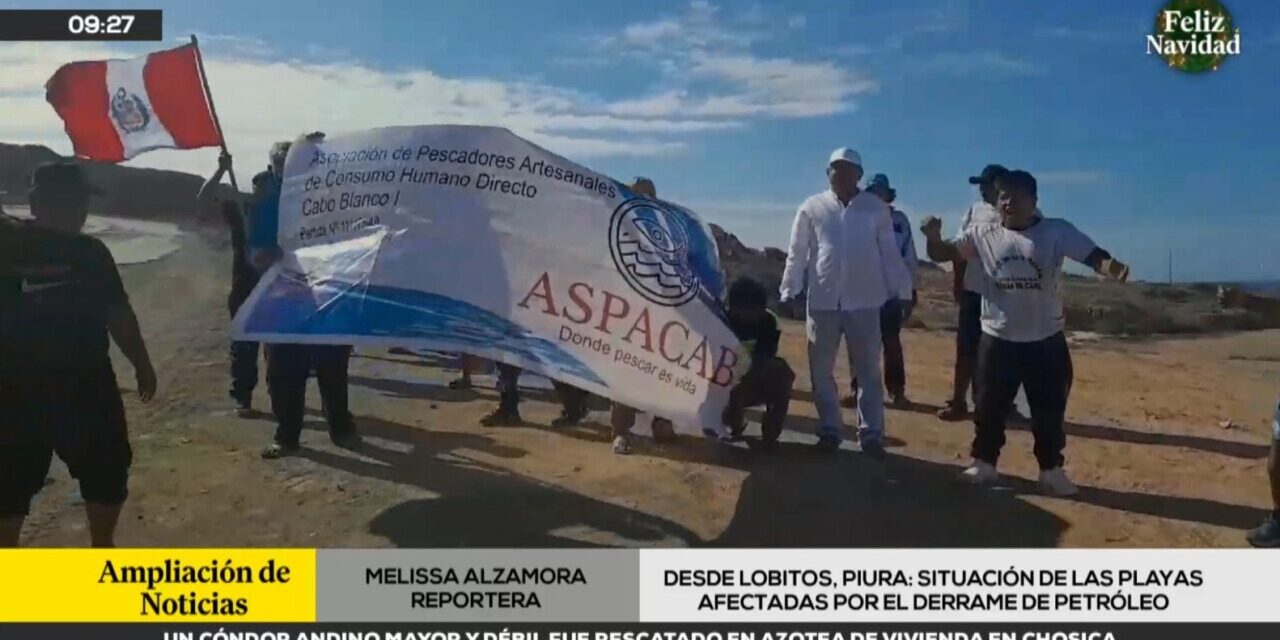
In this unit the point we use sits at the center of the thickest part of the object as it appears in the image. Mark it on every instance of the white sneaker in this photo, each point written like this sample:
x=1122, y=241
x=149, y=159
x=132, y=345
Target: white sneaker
x=1054, y=482
x=980, y=473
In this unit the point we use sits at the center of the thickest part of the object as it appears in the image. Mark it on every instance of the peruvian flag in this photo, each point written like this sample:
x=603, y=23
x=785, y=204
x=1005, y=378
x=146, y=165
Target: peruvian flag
x=114, y=110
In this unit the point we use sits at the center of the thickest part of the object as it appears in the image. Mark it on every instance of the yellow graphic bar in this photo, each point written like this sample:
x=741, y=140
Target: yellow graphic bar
x=158, y=585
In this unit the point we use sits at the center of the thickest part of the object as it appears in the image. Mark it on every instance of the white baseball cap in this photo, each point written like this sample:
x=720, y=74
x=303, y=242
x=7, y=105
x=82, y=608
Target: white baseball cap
x=847, y=155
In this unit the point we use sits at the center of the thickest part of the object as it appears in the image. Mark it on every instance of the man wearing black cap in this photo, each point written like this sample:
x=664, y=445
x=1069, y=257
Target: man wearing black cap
x=61, y=302
x=1022, y=322
x=968, y=286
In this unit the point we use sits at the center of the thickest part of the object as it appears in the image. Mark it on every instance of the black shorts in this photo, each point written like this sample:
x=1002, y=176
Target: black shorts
x=78, y=415
x=969, y=327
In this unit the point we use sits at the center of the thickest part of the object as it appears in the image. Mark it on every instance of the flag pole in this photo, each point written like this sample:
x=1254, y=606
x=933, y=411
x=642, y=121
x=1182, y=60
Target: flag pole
x=213, y=111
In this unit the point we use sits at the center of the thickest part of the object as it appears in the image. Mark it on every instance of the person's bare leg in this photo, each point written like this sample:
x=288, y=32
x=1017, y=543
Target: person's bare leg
x=10, y=531
x=102, y=523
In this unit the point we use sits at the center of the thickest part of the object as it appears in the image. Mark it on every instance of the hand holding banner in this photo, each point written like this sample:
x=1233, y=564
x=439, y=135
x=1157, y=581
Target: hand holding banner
x=472, y=239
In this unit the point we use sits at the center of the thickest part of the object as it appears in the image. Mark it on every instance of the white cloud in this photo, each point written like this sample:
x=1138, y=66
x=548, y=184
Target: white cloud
x=1100, y=34
x=785, y=87
x=978, y=63
x=698, y=27
x=653, y=106
x=1079, y=177
x=651, y=34
x=716, y=84
x=263, y=100
x=712, y=72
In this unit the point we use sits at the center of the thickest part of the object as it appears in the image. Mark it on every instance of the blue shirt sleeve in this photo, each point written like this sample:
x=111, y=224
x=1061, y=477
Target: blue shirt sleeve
x=264, y=221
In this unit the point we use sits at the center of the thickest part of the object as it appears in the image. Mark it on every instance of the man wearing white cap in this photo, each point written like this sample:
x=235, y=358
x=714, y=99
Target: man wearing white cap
x=843, y=251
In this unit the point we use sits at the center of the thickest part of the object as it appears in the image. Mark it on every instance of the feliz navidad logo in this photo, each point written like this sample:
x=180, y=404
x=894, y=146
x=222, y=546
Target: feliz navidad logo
x=1194, y=36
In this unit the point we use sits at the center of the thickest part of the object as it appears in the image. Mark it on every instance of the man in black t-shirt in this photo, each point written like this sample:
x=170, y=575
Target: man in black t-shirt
x=61, y=302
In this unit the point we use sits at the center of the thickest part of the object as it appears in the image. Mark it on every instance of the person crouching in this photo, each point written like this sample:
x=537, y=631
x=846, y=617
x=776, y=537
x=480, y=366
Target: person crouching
x=767, y=379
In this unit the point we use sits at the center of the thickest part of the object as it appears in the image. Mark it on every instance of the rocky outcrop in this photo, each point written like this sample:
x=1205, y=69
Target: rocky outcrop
x=130, y=191
x=739, y=261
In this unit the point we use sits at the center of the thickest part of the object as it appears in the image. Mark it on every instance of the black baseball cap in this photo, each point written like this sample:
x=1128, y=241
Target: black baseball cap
x=989, y=174
x=66, y=177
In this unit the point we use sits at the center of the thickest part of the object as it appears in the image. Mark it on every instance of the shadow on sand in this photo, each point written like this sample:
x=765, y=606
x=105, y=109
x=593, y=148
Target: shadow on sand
x=483, y=505
x=794, y=499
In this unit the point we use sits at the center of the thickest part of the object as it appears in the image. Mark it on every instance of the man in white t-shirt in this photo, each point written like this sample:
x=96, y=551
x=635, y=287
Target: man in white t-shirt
x=844, y=253
x=1022, y=322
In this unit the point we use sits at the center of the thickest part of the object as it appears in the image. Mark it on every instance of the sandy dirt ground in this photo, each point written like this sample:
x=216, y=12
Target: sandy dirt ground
x=1146, y=444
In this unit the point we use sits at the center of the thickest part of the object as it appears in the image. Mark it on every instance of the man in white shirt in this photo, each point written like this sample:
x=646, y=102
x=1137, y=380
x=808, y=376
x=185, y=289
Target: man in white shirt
x=968, y=287
x=895, y=312
x=1022, y=323
x=844, y=253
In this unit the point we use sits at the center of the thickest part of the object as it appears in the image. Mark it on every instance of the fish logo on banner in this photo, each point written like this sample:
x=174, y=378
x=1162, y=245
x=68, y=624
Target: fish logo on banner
x=129, y=112
x=659, y=251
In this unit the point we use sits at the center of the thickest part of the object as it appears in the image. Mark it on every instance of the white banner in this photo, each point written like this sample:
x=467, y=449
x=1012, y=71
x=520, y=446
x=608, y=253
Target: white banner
x=472, y=239
x=953, y=585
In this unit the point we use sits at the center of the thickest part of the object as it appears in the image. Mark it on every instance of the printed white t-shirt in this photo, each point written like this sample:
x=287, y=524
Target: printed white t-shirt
x=1022, y=299
x=980, y=213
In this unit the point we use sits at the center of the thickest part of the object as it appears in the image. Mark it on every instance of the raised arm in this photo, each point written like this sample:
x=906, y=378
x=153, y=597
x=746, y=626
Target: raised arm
x=793, y=275
x=939, y=250
x=205, y=197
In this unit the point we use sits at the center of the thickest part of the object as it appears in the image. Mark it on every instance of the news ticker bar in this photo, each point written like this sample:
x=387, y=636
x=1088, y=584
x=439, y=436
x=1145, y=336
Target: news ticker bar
x=803, y=586
x=55, y=25
x=546, y=631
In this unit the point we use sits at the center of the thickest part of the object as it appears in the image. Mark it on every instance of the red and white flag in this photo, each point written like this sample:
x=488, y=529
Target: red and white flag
x=116, y=109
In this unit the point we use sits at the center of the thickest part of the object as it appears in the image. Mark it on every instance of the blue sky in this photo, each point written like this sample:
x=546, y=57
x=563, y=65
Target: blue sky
x=732, y=108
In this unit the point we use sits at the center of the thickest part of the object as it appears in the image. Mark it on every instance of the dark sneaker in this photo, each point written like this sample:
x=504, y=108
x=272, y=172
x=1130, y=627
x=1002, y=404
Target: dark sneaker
x=1266, y=536
x=733, y=421
x=898, y=400
x=663, y=431
x=569, y=418
x=954, y=411
x=874, y=450
x=502, y=418
x=827, y=444
x=350, y=440
x=277, y=450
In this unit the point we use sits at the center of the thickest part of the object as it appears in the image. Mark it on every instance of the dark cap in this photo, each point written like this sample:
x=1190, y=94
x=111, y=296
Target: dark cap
x=67, y=177
x=989, y=174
